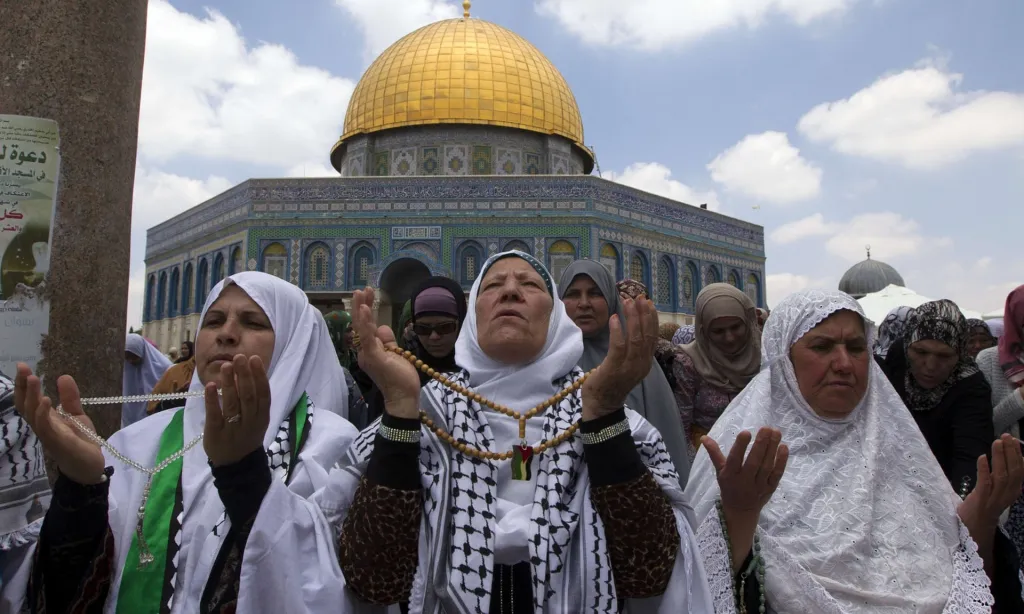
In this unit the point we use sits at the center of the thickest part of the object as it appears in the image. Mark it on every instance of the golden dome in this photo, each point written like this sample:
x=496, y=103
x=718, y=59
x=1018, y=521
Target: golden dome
x=463, y=71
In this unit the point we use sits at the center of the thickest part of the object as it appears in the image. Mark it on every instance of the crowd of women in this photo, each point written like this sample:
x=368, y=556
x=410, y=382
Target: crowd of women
x=544, y=446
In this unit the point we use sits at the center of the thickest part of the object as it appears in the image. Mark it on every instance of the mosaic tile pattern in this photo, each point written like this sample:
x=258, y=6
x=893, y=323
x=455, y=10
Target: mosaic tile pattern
x=403, y=162
x=481, y=161
x=339, y=265
x=293, y=256
x=285, y=195
x=531, y=164
x=380, y=163
x=430, y=161
x=456, y=160
x=508, y=162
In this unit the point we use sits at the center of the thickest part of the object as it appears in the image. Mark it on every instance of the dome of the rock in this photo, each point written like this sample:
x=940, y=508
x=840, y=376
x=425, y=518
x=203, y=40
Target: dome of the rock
x=463, y=71
x=869, y=276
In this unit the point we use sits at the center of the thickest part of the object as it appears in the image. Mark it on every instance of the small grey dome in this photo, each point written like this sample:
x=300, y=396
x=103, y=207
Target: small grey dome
x=869, y=276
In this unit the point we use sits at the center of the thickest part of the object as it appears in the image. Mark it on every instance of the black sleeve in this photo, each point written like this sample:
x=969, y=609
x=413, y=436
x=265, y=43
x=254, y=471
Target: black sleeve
x=613, y=461
x=395, y=464
x=74, y=558
x=972, y=431
x=243, y=485
x=1006, y=586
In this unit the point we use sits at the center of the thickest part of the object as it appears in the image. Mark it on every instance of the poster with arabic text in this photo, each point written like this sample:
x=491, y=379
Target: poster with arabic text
x=29, y=165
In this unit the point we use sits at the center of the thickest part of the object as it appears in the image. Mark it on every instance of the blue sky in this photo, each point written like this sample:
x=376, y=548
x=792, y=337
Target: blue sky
x=832, y=123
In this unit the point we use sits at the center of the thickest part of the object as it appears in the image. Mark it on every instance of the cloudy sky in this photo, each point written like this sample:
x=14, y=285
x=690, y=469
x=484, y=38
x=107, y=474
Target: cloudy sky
x=833, y=123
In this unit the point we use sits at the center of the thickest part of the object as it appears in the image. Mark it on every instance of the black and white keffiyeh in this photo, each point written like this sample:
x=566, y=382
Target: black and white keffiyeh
x=566, y=542
x=24, y=487
x=572, y=570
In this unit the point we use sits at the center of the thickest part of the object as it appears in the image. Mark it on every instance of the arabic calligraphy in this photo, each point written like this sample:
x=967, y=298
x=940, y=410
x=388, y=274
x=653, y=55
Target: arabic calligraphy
x=21, y=157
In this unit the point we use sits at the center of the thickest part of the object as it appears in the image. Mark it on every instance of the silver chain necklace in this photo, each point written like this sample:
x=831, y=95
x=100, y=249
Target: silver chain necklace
x=145, y=555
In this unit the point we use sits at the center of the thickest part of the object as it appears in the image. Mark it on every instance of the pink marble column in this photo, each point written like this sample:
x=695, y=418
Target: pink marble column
x=79, y=62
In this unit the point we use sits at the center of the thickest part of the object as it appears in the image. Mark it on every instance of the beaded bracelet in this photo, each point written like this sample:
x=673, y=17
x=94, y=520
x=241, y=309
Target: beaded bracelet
x=400, y=435
x=606, y=433
x=756, y=566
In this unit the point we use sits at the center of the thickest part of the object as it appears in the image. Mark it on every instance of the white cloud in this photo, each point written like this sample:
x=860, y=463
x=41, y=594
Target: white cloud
x=160, y=196
x=890, y=235
x=385, y=21
x=657, y=179
x=207, y=95
x=312, y=169
x=918, y=118
x=810, y=226
x=651, y=25
x=765, y=166
x=781, y=285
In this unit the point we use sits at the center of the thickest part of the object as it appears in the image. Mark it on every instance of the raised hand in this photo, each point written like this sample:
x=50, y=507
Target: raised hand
x=236, y=427
x=77, y=456
x=747, y=485
x=629, y=359
x=996, y=489
x=396, y=378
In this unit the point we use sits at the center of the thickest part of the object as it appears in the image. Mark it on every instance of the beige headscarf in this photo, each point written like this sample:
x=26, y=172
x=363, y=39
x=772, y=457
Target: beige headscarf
x=730, y=373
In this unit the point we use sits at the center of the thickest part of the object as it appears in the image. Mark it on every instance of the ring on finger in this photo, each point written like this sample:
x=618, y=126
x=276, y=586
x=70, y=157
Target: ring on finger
x=234, y=419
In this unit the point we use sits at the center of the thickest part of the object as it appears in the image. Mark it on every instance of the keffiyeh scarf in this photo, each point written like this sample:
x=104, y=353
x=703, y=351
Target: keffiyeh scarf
x=24, y=487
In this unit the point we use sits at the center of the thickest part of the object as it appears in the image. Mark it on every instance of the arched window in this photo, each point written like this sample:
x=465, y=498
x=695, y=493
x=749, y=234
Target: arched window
x=147, y=307
x=665, y=293
x=518, y=246
x=711, y=275
x=638, y=268
x=752, y=289
x=172, y=302
x=363, y=257
x=318, y=267
x=161, y=296
x=275, y=260
x=691, y=283
x=560, y=255
x=734, y=279
x=609, y=257
x=471, y=258
x=236, y=265
x=218, y=269
x=202, y=284
x=188, y=297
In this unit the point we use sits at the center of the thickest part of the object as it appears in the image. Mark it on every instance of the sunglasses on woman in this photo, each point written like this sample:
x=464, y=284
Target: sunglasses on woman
x=443, y=328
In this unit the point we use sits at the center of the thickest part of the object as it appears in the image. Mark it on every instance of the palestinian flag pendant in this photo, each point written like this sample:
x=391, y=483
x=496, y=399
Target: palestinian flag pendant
x=522, y=456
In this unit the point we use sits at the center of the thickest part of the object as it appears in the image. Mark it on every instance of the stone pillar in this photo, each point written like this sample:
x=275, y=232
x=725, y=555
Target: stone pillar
x=79, y=62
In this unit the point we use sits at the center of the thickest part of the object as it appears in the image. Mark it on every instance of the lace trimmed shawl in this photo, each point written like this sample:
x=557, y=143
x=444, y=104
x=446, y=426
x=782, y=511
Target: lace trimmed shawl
x=864, y=521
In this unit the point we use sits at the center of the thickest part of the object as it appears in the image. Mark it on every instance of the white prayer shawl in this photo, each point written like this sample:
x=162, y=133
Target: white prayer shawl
x=141, y=378
x=279, y=571
x=572, y=568
x=864, y=521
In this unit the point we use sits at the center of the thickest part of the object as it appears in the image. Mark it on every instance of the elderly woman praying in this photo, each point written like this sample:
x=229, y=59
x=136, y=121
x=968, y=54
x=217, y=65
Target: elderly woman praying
x=519, y=484
x=864, y=520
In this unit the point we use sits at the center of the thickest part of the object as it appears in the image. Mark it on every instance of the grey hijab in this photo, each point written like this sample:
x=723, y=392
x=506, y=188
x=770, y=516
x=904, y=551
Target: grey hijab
x=652, y=398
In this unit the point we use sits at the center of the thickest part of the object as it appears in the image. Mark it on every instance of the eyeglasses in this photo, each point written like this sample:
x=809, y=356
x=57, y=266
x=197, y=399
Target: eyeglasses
x=443, y=328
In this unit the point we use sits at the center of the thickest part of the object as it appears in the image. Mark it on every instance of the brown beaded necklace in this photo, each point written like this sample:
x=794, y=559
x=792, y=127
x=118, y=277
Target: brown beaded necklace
x=522, y=454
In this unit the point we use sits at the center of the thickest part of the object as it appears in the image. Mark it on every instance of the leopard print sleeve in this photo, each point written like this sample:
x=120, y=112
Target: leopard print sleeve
x=642, y=536
x=638, y=520
x=379, y=542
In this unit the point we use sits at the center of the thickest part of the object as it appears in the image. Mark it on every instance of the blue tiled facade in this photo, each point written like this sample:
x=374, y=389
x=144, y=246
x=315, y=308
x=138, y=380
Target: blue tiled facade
x=326, y=235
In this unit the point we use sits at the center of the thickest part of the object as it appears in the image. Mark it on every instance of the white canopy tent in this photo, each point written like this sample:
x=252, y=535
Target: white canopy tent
x=878, y=304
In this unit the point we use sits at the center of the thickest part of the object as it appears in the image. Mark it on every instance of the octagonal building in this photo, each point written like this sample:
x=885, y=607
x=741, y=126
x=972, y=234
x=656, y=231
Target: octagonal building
x=460, y=140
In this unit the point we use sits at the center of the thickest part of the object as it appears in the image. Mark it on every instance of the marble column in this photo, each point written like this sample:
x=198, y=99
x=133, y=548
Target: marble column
x=79, y=62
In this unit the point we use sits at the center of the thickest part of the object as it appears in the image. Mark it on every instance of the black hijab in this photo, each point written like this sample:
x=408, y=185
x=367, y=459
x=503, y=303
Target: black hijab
x=191, y=352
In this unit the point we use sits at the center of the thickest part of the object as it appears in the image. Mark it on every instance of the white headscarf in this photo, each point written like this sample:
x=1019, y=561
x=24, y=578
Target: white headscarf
x=142, y=378
x=303, y=361
x=864, y=519
x=524, y=386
